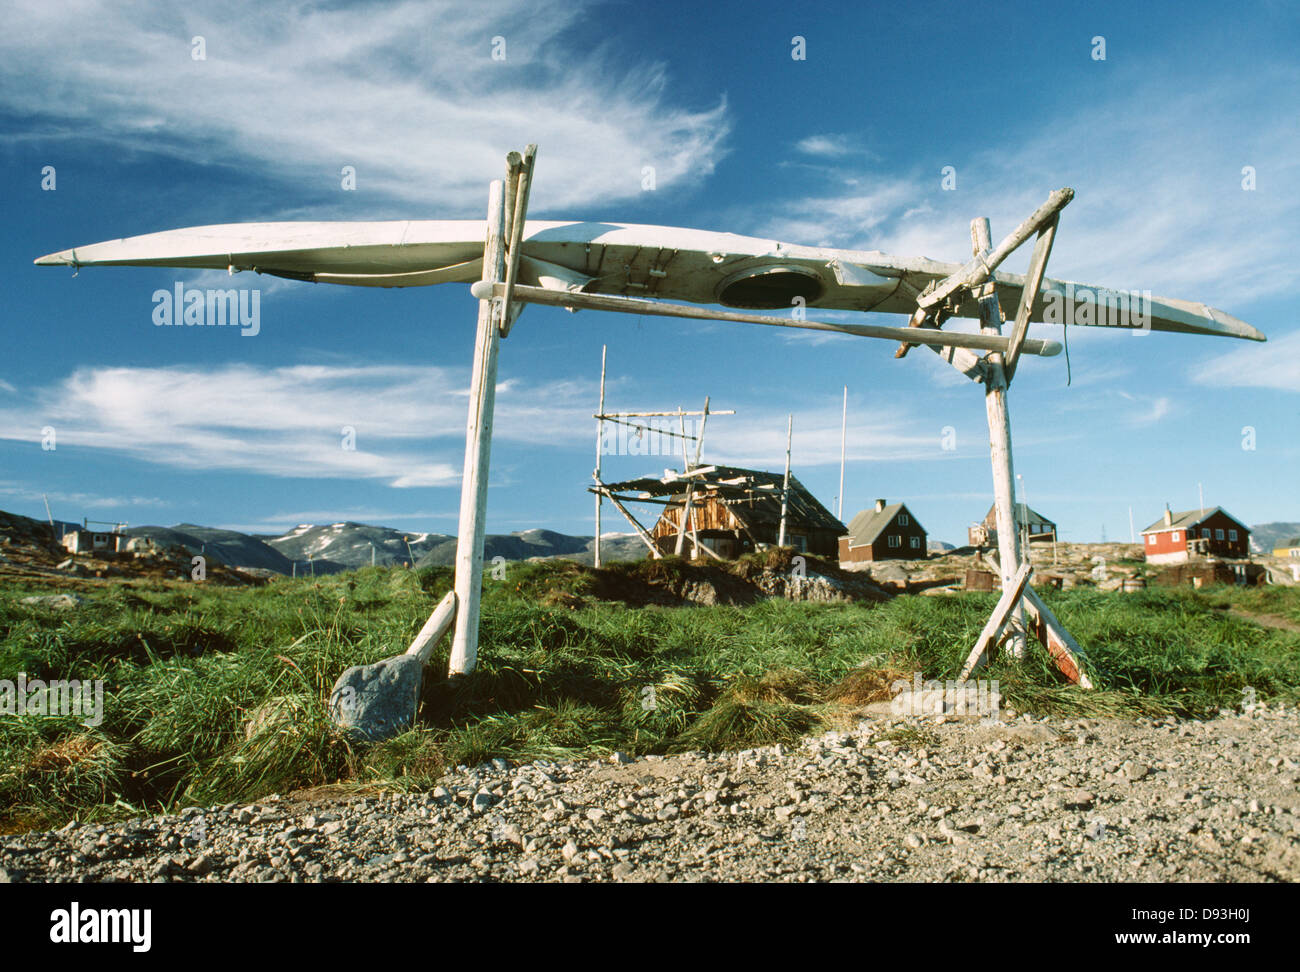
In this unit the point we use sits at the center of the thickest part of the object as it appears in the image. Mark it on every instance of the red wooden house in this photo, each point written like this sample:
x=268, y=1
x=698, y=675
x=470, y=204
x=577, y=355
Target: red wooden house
x=1177, y=537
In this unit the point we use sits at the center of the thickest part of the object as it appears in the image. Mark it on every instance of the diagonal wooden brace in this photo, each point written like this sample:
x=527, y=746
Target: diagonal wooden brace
x=981, y=268
x=520, y=180
x=1011, y=595
x=1065, y=651
x=1033, y=283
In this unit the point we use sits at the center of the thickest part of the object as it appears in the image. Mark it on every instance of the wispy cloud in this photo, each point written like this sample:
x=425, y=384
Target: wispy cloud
x=17, y=491
x=407, y=424
x=1274, y=365
x=296, y=92
x=1160, y=205
x=830, y=146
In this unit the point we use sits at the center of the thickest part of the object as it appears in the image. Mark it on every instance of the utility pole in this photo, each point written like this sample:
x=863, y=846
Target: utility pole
x=844, y=424
x=600, y=426
x=785, y=489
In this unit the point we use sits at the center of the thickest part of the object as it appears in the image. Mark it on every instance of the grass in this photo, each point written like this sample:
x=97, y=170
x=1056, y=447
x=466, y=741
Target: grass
x=217, y=694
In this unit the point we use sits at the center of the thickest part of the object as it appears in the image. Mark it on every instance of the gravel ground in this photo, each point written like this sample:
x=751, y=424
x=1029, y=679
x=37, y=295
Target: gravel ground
x=896, y=799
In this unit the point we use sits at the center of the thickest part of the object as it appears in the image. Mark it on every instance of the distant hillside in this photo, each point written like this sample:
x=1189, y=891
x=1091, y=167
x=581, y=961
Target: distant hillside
x=1265, y=536
x=226, y=546
x=348, y=545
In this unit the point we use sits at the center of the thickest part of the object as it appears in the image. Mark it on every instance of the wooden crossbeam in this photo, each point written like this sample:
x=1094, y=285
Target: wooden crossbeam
x=632, y=305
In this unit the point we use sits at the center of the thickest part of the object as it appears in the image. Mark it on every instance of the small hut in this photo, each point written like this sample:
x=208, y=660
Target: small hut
x=731, y=511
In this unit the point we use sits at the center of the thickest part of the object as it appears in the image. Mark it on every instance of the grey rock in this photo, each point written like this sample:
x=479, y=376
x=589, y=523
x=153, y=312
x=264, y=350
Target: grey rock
x=377, y=701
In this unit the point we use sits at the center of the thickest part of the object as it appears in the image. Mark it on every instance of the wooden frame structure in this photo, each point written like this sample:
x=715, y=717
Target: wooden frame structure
x=563, y=268
x=501, y=298
x=602, y=490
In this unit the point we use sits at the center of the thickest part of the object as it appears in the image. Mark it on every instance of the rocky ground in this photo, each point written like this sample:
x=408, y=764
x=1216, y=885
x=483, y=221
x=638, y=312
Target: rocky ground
x=896, y=799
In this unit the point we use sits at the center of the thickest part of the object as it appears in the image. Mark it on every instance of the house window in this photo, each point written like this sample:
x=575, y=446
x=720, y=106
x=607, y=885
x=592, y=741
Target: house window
x=1151, y=540
x=1178, y=535
x=902, y=519
x=1232, y=535
x=1205, y=532
x=1218, y=534
x=895, y=540
x=915, y=543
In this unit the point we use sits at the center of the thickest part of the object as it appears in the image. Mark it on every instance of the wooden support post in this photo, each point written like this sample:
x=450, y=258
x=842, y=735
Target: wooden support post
x=439, y=621
x=785, y=487
x=478, y=448
x=600, y=425
x=1011, y=595
x=999, y=420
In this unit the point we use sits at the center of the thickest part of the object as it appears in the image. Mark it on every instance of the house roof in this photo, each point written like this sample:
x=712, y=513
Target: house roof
x=1191, y=518
x=867, y=526
x=1033, y=517
x=752, y=495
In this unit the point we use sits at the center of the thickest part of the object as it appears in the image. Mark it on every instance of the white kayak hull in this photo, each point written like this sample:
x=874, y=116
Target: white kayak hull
x=664, y=262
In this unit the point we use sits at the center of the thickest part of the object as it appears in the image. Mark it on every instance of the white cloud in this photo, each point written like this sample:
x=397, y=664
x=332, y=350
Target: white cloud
x=13, y=490
x=829, y=146
x=409, y=422
x=1159, y=204
x=1274, y=365
x=405, y=91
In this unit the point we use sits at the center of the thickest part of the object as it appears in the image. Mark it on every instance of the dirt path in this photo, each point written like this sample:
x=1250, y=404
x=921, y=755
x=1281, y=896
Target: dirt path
x=894, y=799
x=1267, y=620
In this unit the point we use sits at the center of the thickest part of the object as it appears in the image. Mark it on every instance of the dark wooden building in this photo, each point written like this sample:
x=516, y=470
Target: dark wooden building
x=885, y=532
x=732, y=511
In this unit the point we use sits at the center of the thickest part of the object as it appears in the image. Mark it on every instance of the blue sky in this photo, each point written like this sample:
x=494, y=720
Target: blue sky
x=843, y=148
